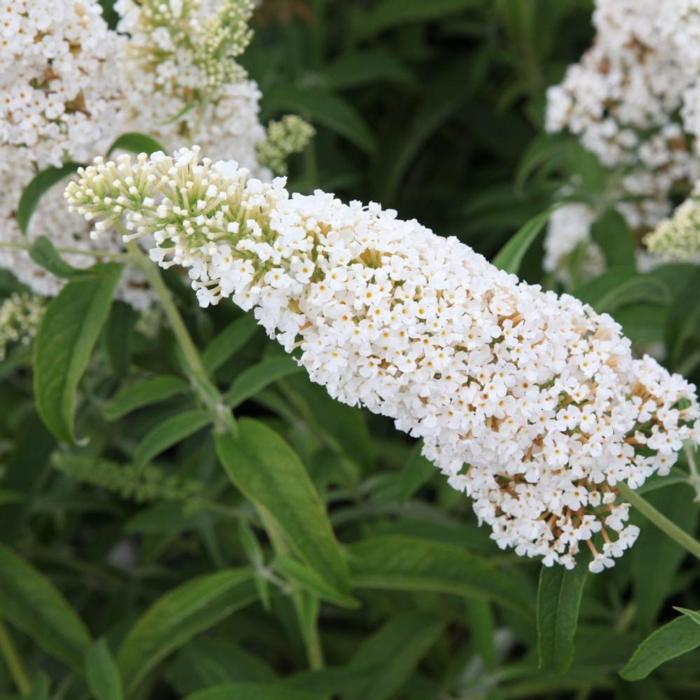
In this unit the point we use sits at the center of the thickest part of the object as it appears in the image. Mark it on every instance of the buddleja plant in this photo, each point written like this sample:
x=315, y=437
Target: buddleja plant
x=264, y=444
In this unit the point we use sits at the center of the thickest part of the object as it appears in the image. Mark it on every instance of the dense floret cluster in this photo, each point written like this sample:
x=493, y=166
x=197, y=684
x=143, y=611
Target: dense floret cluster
x=59, y=94
x=69, y=86
x=632, y=100
x=529, y=402
x=184, y=81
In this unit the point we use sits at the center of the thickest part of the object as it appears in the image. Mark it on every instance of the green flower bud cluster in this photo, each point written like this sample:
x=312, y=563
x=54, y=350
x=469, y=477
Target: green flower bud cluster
x=678, y=238
x=225, y=35
x=289, y=135
x=20, y=315
x=140, y=484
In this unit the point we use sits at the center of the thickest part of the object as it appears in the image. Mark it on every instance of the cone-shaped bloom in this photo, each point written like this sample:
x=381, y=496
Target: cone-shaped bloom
x=529, y=402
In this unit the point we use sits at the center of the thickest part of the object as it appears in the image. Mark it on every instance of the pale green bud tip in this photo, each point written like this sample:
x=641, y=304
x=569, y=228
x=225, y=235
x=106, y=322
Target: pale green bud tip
x=20, y=316
x=678, y=238
x=289, y=135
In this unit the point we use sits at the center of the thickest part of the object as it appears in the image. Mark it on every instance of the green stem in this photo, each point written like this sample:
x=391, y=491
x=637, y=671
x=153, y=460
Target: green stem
x=89, y=253
x=694, y=477
x=208, y=393
x=13, y=661
x=309, y=633
x=660, y=520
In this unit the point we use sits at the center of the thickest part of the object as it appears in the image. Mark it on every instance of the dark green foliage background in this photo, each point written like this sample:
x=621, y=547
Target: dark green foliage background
x=435, y=108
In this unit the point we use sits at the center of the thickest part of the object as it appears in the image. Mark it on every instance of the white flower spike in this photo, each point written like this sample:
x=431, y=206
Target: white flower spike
x=530, y=403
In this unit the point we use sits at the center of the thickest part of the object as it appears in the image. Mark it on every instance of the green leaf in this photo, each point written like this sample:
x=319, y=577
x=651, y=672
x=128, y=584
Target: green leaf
x=416, y=472
x=144, y=393
x=102, y=673
x=228, y=342
x=615, y=239
x=269, y=473
x=312, y=582
x=395, y=562
x=203, y=663
x=386, y=660
x=44, y=254
x=119, y=334
x=254, y=691
x=441, y=100
x=180, y=615
x=545, y=150
x=694, y=615
x=40, y=687
x=39, y=185
x=256, y=378
x=482, y=628
x=67, y=335
x=668, y=642
x=558, y=602
x=135, y=143
x=255, y=556
x=620, y=287
x=323, y=108
x=168, y=433
x=9, y=497
x=511, y=255
x=366, y=67
x=31, y=602
x=391, y=13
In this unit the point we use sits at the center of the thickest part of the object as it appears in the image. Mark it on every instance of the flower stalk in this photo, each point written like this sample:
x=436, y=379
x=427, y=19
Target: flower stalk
x=654, y=516
x=204, y=388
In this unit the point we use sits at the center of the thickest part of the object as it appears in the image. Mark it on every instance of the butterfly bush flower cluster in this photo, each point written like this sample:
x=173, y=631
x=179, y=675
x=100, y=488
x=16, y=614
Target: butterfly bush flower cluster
x=20, y=315
x=59, y=93
x=529, y=402
x=60, y=99
x=634, y=101
x=69, y=86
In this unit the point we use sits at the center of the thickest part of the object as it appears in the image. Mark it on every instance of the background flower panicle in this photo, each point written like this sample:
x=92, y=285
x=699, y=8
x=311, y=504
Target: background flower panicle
x=569, y=227
x=60, y=98
x=20, y=315
x=530, y=403
x=632, y=101
x=678, y=237
x=185, y=83
x=285, y=137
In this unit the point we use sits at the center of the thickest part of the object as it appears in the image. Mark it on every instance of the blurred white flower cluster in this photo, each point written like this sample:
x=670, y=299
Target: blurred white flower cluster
x=634, y=101
x=530, y=403
x=185, y=84
x=59, y=93
x=69, y=86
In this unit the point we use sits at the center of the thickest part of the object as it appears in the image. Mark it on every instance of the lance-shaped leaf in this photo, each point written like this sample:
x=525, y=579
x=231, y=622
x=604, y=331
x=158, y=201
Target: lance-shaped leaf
x=32, y=603
x=67, y=335
x=396, y=562
x=558, y=602
x=179, y=615
x=270, y=474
